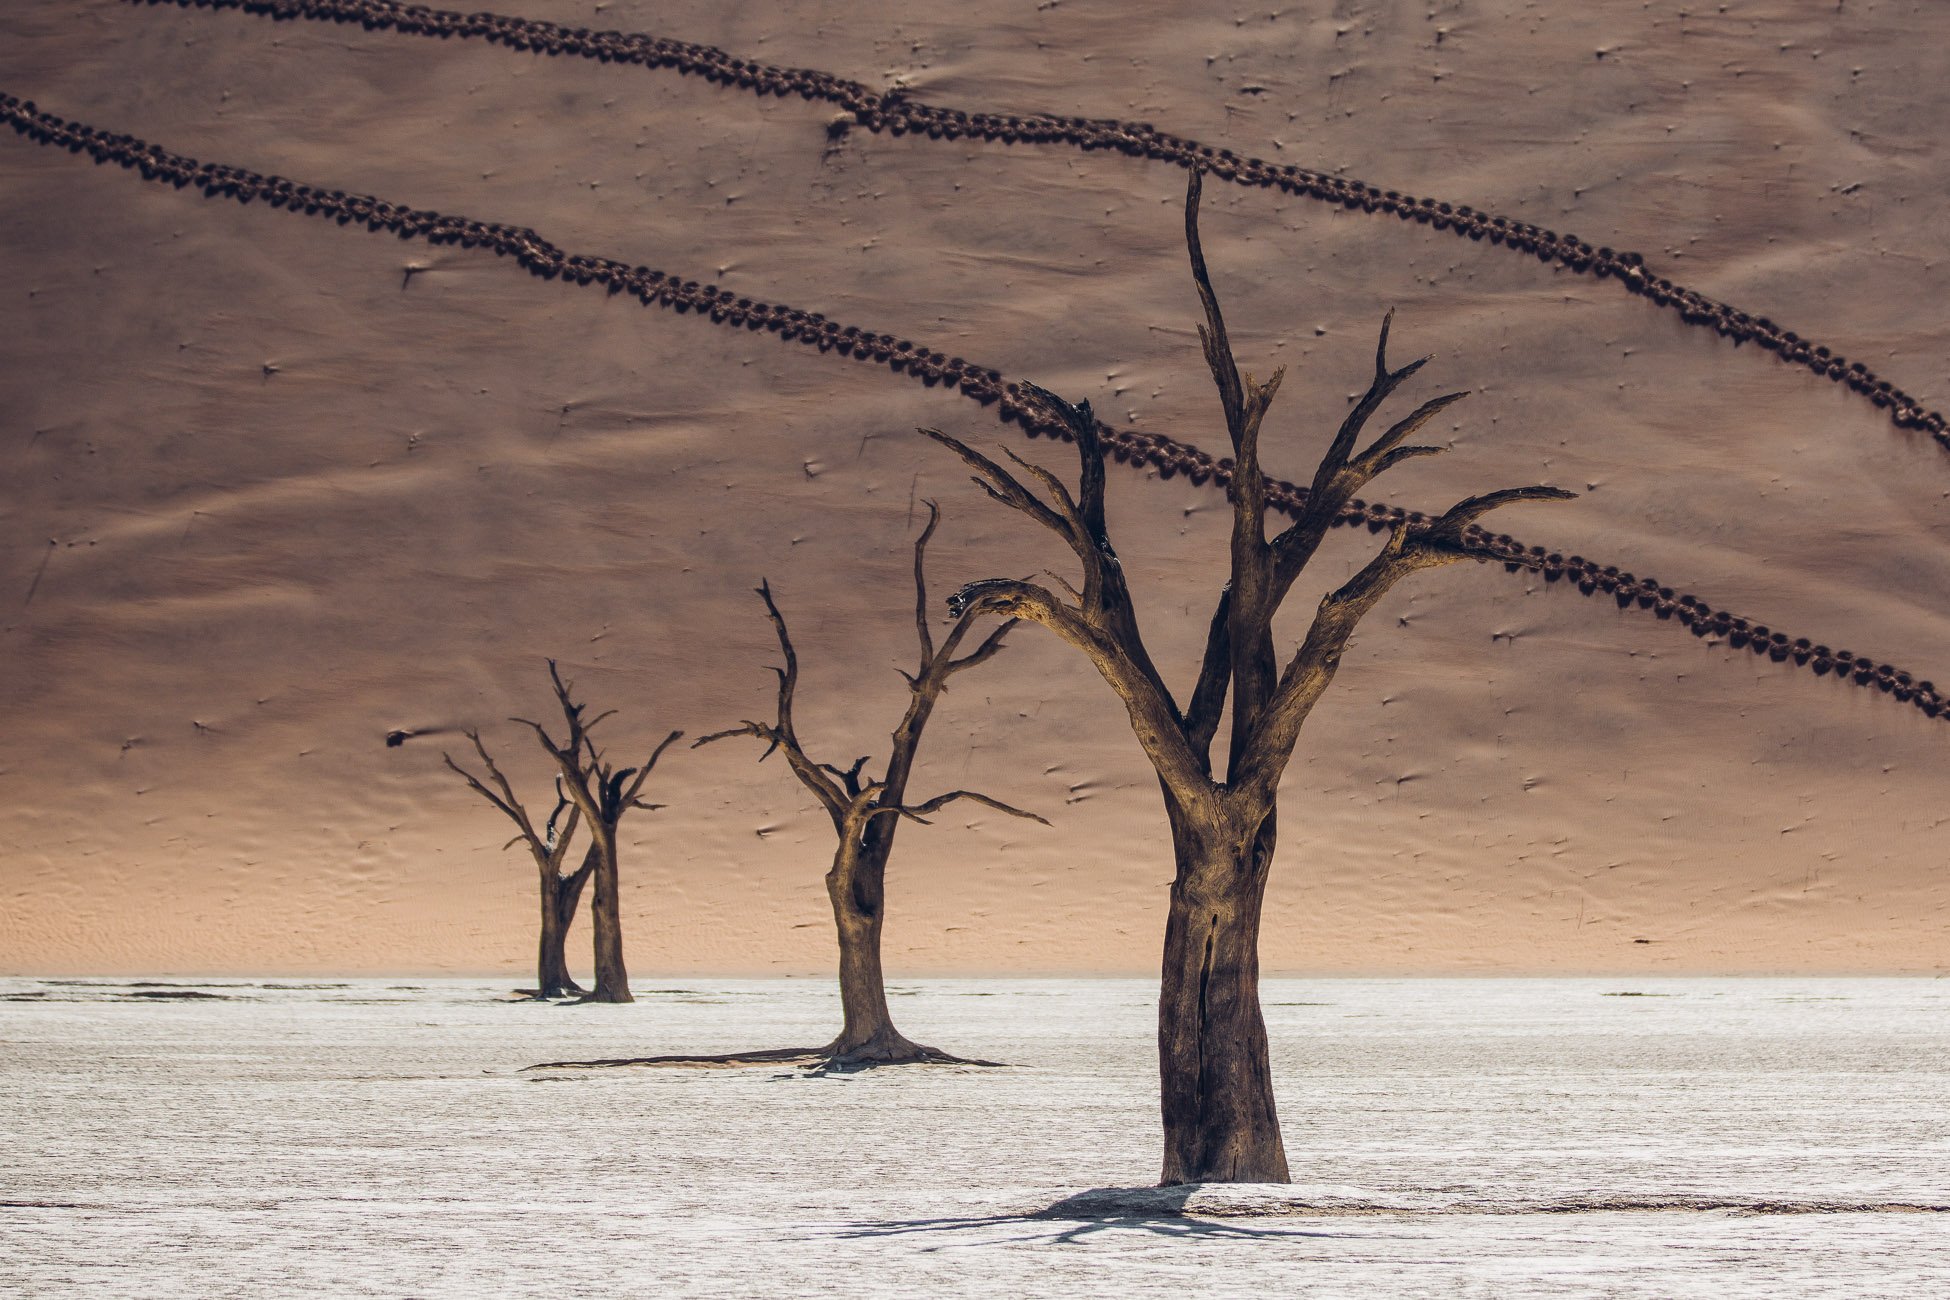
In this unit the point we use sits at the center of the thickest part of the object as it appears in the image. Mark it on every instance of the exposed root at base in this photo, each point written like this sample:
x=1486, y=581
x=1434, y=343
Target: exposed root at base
x=816, y=1061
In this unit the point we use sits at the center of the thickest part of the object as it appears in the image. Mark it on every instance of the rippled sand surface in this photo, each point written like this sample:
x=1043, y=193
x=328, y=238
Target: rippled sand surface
x=1471, y=1138
x=286, y=488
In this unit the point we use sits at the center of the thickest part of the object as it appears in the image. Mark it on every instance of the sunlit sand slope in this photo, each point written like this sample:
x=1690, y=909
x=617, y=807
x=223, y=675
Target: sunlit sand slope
x=281, y=486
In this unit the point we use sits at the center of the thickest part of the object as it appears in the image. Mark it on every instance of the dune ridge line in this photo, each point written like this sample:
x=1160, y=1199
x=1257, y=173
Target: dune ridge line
x=894, y=113
x=1013, y=403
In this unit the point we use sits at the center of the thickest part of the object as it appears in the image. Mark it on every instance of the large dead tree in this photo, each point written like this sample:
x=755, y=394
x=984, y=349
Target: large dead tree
x=549, y=846
x=866, y=813
x=601, y=794
x=1217, y=1096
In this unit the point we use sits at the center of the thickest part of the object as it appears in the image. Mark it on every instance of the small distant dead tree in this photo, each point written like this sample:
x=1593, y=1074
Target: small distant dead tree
x=549, y=846
x=865, y=813
x=1216, y=1084
x=601, y=794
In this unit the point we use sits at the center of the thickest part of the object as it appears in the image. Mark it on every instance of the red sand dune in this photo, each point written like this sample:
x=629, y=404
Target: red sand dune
x=307, y=485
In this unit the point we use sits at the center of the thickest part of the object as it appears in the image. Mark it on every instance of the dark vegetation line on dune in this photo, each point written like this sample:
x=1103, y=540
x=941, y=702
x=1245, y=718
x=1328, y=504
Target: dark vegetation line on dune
x=893, y=112
x=988, y=387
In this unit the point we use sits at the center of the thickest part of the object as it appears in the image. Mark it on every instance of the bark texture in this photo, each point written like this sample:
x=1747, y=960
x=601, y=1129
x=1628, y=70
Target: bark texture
x=1216, y=1089
x=1216, y=1076
x=561, y=895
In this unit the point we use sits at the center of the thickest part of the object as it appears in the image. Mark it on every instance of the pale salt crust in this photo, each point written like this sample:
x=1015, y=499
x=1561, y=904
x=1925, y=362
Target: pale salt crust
x=1451, y=1138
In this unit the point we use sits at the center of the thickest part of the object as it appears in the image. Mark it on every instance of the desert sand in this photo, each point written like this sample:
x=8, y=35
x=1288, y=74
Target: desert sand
x=278, y=487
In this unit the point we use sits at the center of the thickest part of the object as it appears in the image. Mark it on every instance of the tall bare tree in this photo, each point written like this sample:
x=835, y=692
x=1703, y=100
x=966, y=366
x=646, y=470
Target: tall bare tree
x=866, y=812
x=549, y=847
x=1216, y=1085
x=601, y=794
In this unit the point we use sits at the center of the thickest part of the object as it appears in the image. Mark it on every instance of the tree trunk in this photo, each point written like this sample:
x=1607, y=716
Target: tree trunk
x=612, y=980
x=551, y=963
x=1216, y=1080
x=560, y=897
x=857, y=886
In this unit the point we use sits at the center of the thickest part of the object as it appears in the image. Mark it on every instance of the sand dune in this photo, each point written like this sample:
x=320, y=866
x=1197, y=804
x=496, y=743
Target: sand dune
x=307, y=485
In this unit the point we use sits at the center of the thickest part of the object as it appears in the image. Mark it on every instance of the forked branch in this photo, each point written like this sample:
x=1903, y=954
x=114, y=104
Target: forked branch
x=548, y=847
x=779, y=735
x=1410, y=549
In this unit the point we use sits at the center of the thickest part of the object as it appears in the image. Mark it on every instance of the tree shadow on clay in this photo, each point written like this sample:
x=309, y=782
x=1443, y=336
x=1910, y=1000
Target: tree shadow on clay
x=814, y=1062
x=1157, y=1210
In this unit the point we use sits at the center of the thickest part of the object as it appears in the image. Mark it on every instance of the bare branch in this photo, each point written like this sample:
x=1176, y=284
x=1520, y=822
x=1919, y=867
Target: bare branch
x=1066, y=505
x=1212, y=334
x=919, y=812
x=990, y=647
x=562, y=802
x=547, y=847
x=1002, y=486
x=494, y=771
x=788, y=675
x=921, y=584
x=1154, y=716
x=849, y=777
x=780, y=735
x=1410, y=548
x=1410, y=452
x=1370, y=462
x=548, y=741
x=559, y=844
x=643, y=772
x=1384, y=383
x=1208, y=698
x=1447, y=531
x=1082, y=423
x=571, y=711
x=508, y=805
x=1342, y=473
x=758, y=729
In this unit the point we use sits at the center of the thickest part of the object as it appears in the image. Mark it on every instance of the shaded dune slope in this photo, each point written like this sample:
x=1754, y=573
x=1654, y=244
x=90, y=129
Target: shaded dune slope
x=1013, y=403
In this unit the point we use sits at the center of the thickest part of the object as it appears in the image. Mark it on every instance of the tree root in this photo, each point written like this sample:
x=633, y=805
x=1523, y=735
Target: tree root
x=817, y=1061
x=567, y=993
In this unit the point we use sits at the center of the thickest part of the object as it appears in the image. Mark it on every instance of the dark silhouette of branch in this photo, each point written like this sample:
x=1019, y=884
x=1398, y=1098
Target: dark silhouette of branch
x=919, y=812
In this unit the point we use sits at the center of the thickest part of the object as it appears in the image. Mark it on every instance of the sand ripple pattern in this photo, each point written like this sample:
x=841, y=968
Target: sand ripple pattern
x=1013, y=403
x=894, y=113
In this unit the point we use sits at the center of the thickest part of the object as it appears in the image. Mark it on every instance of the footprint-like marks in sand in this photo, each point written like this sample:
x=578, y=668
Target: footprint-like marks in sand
x=1012, y=403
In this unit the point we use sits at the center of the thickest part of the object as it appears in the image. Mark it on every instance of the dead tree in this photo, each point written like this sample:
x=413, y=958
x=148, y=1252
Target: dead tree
x=560, y=894
x=601, y=794
x=866, y=813
x=1216, y=1093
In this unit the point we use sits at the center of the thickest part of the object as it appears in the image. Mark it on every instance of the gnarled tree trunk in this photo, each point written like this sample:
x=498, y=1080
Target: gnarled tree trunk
x=606, y=919
x=561, y=895
x=857, y=887
x=1216, y=1079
